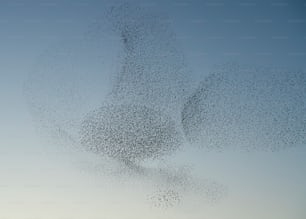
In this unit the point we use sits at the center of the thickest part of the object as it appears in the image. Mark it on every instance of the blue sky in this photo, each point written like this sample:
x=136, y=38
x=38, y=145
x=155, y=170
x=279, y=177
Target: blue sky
x=39, y=179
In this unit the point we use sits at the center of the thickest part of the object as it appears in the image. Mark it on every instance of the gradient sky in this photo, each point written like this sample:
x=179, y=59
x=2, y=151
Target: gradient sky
x=38, y=180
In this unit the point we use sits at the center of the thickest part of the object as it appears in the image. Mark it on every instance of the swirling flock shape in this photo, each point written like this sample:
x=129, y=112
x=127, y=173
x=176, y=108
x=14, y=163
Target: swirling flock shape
x=151, y=111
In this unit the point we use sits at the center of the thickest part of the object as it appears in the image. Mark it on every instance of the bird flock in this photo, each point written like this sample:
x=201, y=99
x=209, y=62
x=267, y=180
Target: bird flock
x=152, y=110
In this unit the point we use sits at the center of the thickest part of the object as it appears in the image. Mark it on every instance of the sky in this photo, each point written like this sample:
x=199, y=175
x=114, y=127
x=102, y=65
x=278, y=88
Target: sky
x=42, y=179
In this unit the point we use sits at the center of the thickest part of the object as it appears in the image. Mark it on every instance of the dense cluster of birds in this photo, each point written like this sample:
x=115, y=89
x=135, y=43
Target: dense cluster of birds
x=248, y=108
x=165, y=198
x=151, y=110
x=129, y=132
